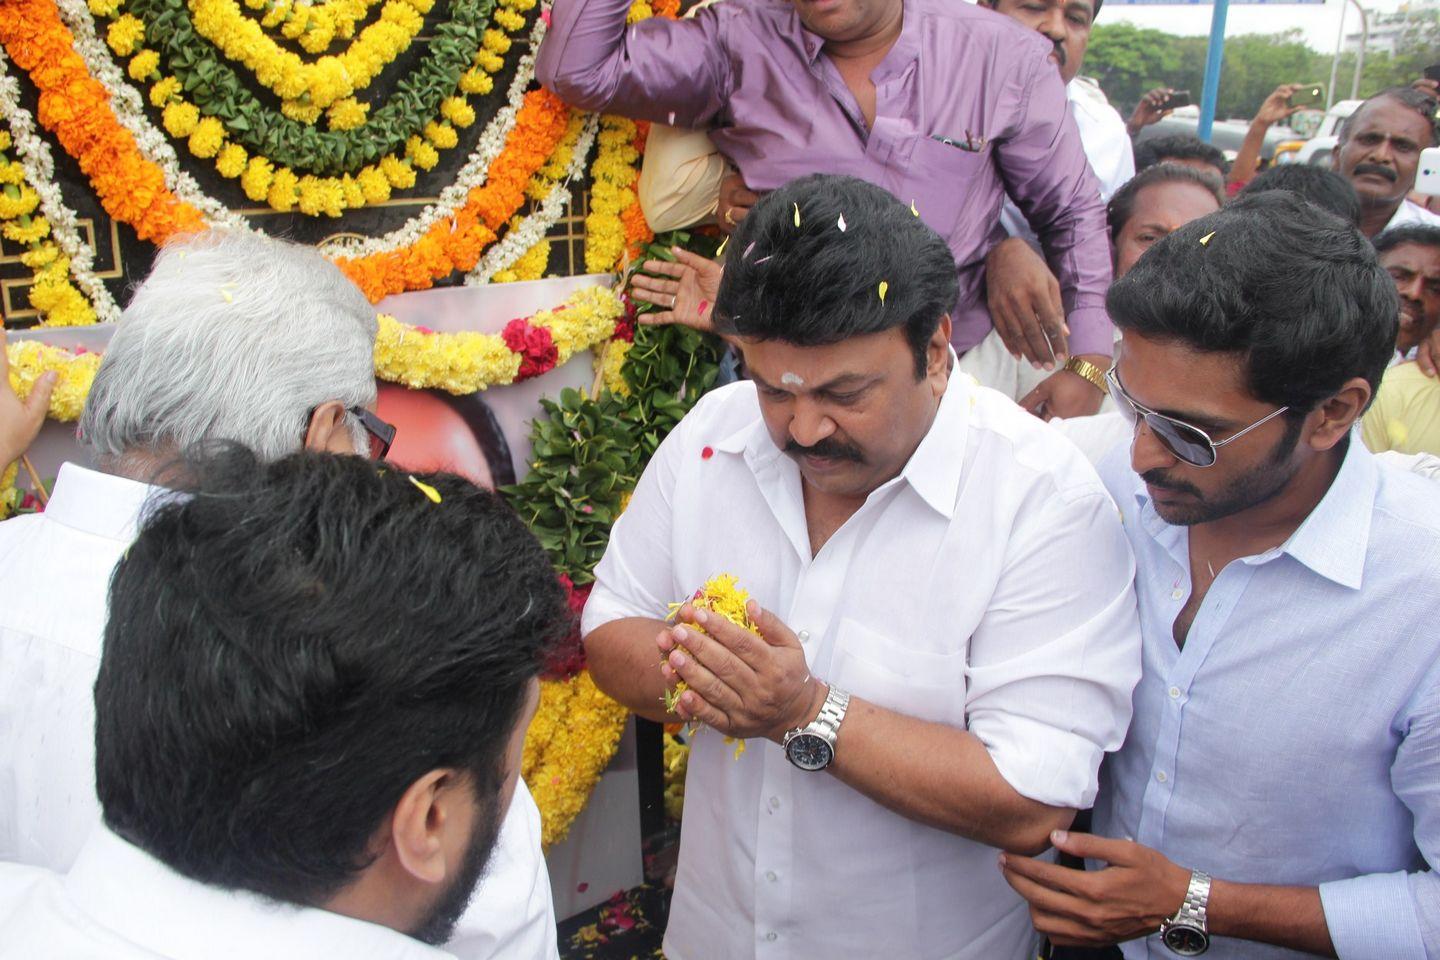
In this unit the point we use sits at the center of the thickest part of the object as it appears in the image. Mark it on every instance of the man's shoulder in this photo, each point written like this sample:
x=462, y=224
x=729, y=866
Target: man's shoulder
x=981, y=25
x=1409, y=213
x=1037, y=449
x=1410, y=503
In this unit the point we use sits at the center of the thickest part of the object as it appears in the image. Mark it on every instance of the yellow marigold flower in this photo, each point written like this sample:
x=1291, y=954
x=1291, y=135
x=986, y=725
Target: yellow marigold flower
x=421, y=154
x=400, y=174
x=317, y=38
x=373, y=184
x=104, y=8
x=423, y=6
x=347, y=114
x=16, y=203
x=36, y=230
x=4, y=140
x=59, y=303
x=41, y=255
x=11, y=173
x=441, y=134
x=476, y=81
x=496, y=41
x=232, y=160
x=489, y=62
x=162, y=91
x=125, y=34
x=300, y=112
x=531, y=266
x=508, y=19
x=284, y=190
x=143, y=64
x=352, y=191
x=180, y=118
x=208, y=138
x=293, y=28
x=255, y=181
x=256, y=4
x=457, y=111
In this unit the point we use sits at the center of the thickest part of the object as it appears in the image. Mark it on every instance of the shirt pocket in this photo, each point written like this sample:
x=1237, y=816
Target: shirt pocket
x=921, y=684
x=948, y=182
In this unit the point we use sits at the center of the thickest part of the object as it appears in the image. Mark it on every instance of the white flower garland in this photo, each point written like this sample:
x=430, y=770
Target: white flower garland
x=155, y=146
x=39, y=166
x=519, y=239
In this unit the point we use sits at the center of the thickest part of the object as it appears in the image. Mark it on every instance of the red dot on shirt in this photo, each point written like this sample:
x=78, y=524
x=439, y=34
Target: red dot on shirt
x=707, y=453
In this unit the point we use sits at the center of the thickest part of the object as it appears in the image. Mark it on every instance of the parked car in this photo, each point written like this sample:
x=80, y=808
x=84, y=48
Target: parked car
x=1227, y=135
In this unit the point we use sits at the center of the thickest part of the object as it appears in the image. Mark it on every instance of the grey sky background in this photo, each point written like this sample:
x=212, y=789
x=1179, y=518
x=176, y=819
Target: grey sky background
x=1318, y=22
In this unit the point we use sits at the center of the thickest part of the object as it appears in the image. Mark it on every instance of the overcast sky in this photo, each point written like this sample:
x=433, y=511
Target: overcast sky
x=1318, y=21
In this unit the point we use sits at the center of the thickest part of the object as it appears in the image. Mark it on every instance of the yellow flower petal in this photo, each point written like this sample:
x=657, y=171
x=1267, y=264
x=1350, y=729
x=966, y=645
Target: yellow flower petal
x=426, y=489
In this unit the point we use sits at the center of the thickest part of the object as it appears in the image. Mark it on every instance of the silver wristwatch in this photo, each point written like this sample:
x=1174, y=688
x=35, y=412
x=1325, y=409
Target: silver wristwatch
x=1185, y=932
x=812, y=747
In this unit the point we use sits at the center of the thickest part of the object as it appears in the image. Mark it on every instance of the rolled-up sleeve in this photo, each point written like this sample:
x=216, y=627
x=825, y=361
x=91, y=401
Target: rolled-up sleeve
x=680, y=178
x=1048, y=176
x=668, y=71
x=1396, y=916
x=1055, y=661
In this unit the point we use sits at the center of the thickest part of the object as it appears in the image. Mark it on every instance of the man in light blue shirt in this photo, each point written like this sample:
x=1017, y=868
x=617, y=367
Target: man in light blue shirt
x=1278, y=793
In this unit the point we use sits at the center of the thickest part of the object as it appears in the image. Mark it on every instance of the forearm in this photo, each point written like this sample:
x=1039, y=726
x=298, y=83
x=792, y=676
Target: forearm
x=1247, y=161
x=1284, y=916
x=659, y=70
x=625, y=662
x=943, y=777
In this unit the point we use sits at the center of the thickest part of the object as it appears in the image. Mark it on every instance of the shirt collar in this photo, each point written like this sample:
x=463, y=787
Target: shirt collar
x=139, y=898
x=100, y=504
x=905, y=51
x=1331, y=541
x=933, y=470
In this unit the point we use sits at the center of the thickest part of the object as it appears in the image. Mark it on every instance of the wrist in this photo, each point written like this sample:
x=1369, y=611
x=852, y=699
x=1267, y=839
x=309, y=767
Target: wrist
x=807, y=707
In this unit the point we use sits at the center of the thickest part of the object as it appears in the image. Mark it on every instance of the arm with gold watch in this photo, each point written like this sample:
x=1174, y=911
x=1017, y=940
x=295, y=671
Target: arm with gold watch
x=1075, y=390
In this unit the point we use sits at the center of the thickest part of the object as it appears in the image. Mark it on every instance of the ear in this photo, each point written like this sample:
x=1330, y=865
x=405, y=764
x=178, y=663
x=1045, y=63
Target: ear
x=937, y=356
x=1338, y=414
x=329, y=430
x=428, y=812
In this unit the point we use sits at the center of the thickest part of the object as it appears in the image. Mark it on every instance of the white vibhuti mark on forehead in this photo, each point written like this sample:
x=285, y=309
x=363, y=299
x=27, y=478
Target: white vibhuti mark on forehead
x=792, y=379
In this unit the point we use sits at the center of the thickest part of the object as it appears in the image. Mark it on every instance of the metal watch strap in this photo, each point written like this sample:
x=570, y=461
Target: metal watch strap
x=1092, y=374
x=1197, y=898
x=832, y=712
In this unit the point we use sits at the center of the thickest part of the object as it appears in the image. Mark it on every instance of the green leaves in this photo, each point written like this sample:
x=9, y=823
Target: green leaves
x=587, y=453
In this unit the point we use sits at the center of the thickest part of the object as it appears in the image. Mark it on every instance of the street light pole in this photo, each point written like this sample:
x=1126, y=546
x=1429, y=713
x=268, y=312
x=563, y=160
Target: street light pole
x=1335, y=62
x=1360, y=57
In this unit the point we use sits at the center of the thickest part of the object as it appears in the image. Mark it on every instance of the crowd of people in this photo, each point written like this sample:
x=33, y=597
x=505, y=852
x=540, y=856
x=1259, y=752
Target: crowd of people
x=1083, y=494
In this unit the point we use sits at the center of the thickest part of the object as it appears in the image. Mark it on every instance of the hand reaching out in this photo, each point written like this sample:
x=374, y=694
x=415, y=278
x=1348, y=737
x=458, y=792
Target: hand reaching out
x=688, y=295
x=20, y=420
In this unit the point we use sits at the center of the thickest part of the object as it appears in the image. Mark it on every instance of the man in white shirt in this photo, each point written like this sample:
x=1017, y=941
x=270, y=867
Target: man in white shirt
x=1019, y=355
x=232, y=337
x=1379, y=152
x=1277, y=795
x=918, y=542
x=309, y=716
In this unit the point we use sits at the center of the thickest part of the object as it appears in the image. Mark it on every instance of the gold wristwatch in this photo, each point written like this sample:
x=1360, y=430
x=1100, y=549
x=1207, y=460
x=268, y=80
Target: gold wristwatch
x=1093, y=374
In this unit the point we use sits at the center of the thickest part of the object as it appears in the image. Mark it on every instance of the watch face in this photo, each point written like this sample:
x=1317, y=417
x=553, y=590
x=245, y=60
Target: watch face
x=809, y=752
x=1186, y=940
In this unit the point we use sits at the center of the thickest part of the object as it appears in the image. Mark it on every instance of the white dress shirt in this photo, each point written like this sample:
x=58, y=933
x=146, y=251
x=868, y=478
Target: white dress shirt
x=987, y=587
x=1410, y=213
x=53, y=602
x=120, y=903
x=1295, y=739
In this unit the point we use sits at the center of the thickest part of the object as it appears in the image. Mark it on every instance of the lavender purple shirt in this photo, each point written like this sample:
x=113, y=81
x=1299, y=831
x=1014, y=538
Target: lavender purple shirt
x=778, y=108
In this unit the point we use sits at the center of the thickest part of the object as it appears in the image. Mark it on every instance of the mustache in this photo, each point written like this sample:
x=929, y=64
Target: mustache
x=1060, y=53
x=1378, y=170
x=1156, y=478
x=829, y=449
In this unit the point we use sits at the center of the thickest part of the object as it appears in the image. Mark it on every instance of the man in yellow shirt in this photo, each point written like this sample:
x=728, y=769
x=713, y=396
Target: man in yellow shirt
x=1406, y=413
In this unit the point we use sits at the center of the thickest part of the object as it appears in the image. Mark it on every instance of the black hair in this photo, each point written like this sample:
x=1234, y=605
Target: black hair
x=1122, y=205
x=1177, y=146
x=294, y=645
x=1420, y=234
x=1293, y=289
x=1418, y=100
x=1320, y=185
x=818, y=283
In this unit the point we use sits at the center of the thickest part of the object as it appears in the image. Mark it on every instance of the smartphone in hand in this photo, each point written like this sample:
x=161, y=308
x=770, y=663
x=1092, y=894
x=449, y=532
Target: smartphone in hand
x=1312, y=95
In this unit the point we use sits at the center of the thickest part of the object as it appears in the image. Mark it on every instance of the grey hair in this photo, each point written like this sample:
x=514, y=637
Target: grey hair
x=233, y=337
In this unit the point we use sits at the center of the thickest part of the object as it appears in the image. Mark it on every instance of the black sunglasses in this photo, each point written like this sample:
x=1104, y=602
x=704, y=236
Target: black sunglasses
x=1187, y=442
x=382, y=434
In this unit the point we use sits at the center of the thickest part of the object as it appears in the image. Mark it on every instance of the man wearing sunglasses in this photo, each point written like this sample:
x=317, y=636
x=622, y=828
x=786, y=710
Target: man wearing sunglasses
x=1278, y=793
x=232, y=337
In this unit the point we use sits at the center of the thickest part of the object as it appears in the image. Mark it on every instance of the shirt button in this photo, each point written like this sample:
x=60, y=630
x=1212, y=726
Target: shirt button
x=1174, y=693
x=1161, y=776
x=774, y=803
x=771, y=876
x=804, y=636
x=1177, y=594
x=772, y=935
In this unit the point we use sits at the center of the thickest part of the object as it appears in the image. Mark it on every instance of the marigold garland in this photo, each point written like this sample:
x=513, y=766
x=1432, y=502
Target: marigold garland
x=570, y=742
